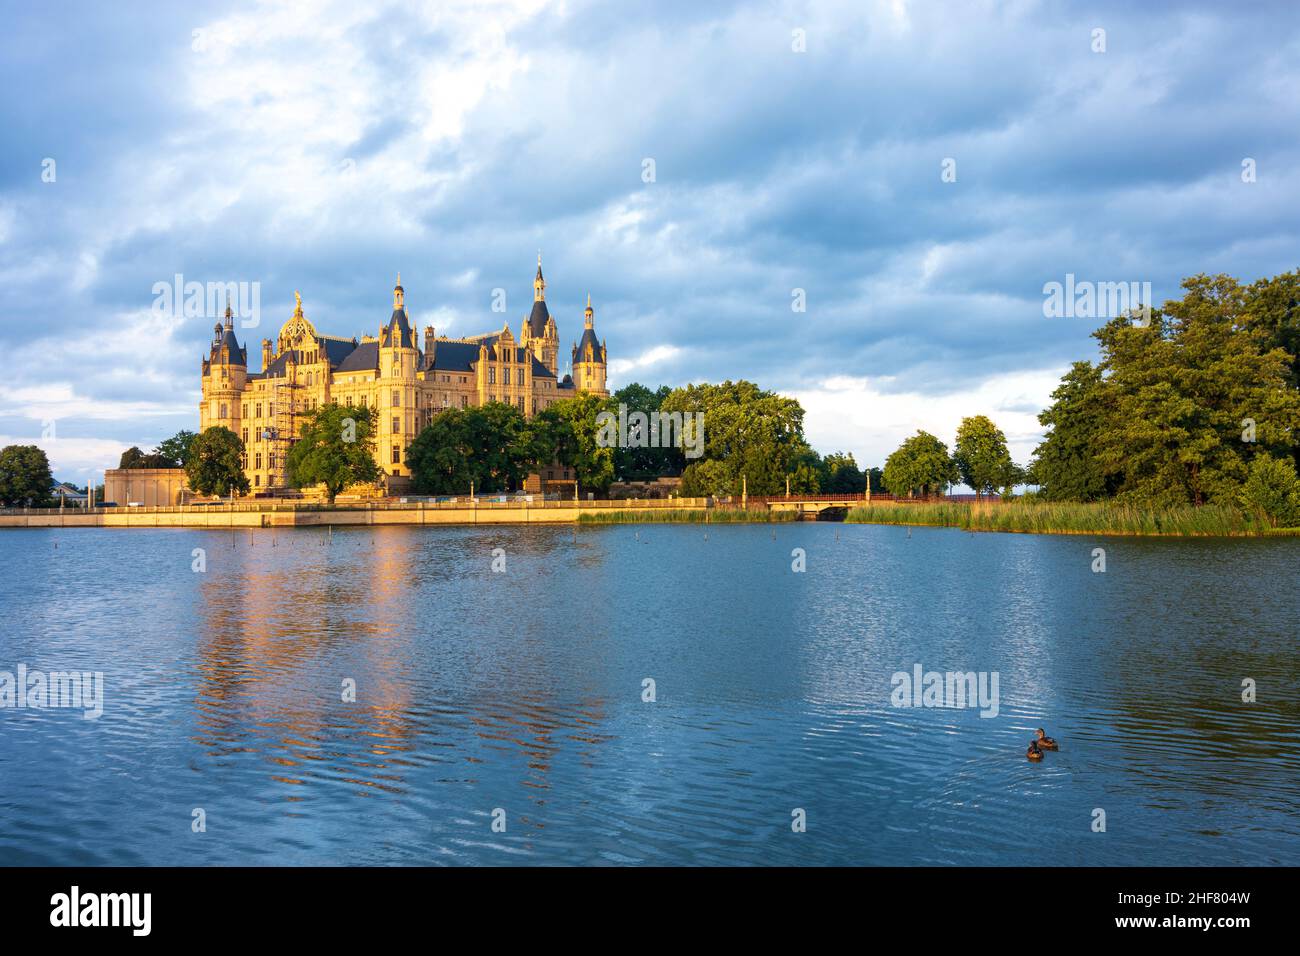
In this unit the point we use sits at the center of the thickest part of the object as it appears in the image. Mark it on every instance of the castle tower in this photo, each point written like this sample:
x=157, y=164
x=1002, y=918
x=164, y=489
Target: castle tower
x=589, y=358
x=538, y=333
x=398, y=360
x=225, y=371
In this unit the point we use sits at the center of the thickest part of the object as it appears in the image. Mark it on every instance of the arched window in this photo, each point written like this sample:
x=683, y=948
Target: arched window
x=223, y=410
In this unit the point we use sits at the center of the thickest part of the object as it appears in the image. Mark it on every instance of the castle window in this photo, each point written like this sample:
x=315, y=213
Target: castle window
x=245, y=409
x=397, y=455
x=259, y=410
x=492, y=376
x=257, y=460
x=507, y=372
x=397, y=399
x=257, y=481
x=223, y=410
x=464, y=400
x=309, y=378
x=270, y=460
x=245, y=436
x=521, y=403
x=397, y=425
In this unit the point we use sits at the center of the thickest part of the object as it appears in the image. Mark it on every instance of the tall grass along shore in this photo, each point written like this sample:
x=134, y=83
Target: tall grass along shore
x=687, y=515
x=1044, y=517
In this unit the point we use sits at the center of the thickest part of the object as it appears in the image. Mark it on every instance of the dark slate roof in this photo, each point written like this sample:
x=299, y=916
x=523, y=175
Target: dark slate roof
x=537, y=320
x=364, y=358
x=237, y=354
x=566, y=382
x=461, y=356
x=276, y=368
x=589, y=337
x=399, y=330
x=337, y=350
x=455, y=356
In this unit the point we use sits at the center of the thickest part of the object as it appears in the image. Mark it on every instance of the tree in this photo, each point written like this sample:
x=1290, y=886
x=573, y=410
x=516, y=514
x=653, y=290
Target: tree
x=1066, y=465
x=644, y=463
x=593, y=463
x=751, y=433
x=214, y=467
x=177, y=448
x=921, y=464
x=1180, y=406
x=335, y=448
x=1273, y=490
x=981, y=455
x=133, y=457
x=488, y=446
x=843, y=475
x=25, y=477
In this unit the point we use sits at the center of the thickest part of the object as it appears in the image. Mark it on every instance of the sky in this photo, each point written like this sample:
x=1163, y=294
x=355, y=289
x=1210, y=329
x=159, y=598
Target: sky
x=913, y=173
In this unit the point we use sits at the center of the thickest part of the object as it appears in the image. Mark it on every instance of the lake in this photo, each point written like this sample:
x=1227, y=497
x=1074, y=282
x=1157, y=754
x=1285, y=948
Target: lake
x=517, y=698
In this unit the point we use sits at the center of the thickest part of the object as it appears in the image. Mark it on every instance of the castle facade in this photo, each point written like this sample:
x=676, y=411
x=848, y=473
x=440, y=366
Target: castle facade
x=404, y=380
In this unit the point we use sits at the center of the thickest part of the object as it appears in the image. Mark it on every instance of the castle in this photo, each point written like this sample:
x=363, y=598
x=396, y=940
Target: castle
x=405, y=385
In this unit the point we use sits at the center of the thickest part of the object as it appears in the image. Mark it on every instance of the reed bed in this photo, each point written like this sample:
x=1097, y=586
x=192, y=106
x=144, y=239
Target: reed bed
x=1047, y=517
x=687, y=516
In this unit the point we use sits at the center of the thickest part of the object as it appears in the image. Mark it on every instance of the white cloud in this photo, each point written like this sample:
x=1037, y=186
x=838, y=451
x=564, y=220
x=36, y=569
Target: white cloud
x=857, y=415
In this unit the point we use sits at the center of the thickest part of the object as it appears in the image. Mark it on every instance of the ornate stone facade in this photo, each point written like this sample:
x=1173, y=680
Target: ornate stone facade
x=405, y=381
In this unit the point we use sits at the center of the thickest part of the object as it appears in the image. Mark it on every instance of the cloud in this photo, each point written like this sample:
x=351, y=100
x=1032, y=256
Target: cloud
x=325, y=147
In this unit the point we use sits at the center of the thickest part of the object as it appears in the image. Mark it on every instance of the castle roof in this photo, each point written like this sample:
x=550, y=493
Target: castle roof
x=538, y=317
x=589, y=338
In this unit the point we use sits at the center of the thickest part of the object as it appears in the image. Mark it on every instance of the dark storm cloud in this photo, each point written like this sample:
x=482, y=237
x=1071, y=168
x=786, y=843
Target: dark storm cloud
x=325, y=149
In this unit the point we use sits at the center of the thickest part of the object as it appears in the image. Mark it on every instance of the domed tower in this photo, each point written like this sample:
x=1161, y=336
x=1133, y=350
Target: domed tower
x=225, y=372
x=539, y=334
x=589, y=360
x=398, y=360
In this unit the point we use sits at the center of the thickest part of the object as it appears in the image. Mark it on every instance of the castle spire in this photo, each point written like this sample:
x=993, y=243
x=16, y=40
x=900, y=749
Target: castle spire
x=399, y=294
x=230, y=315
x=586, y=316
x=539, y=284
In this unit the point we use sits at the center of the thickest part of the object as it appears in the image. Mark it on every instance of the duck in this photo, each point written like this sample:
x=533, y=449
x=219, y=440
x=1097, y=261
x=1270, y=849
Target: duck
x=1033, y=753
x=1045, y=742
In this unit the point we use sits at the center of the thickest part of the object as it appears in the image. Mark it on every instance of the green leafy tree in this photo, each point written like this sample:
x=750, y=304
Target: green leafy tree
x=335, y=448
x=1179, y=407
x=133, y=457
x=177, y=448
x=843, y=475
x=644, y=463
x=921, y=465
x=753, y=434
x=214, y=467
x=490, y=447
x=708, y=479
x=592, y=462
x=1065, y=465
x=1273, y=490
x=25, y=477
x=981, y=455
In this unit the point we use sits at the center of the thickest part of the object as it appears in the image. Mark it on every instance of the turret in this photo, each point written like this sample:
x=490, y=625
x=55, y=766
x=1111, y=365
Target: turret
x=398, y=356
x=589, y=357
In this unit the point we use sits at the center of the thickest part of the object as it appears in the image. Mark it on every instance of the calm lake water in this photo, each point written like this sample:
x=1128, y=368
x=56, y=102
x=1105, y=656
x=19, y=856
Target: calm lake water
x=522, y=691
